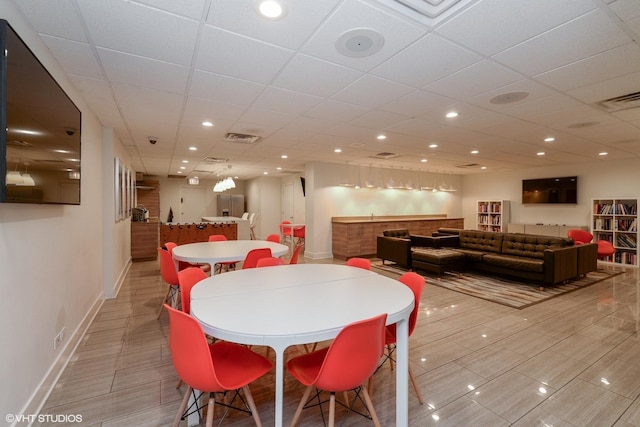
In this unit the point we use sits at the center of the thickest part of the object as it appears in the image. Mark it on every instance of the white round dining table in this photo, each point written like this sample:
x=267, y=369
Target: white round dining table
x=229, y=250
x=301, y=304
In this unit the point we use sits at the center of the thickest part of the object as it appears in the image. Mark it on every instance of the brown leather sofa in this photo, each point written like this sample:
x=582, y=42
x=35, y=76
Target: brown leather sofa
x=544, y=259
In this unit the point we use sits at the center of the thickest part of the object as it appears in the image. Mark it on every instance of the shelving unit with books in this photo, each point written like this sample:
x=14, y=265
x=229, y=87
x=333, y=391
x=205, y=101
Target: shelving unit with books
x=492, y=215
x=616, y=221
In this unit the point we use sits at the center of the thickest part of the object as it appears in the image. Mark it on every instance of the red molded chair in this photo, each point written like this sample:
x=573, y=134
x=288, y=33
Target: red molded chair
x=187, y=279
x=254, y=255
x=345, y=365
x=579, y=236
x=605, y=249
x=269, y=262
x=181, y=264
x=416, y=283
x=169, y=275
x=286, y=232
x=299, y=234
x=294, y=257
x=273, y=238
x=359, y=262
x=227, y=265
x=211, y=368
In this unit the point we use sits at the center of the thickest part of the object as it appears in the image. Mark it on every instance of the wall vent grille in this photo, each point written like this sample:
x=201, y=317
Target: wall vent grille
x=242, y=138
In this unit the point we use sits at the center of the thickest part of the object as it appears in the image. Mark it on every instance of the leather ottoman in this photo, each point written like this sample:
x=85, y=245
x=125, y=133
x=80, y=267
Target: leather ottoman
x=437, y=260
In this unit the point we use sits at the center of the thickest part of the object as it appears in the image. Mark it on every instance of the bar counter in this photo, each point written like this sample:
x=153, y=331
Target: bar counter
x=355, y=236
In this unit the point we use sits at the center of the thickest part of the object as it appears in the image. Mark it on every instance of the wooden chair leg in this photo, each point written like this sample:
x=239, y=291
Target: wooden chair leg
x=332, y=410
x=166, y=297
x=372, y=411
x=183, y=406
x=296, y=416
x=179, y=383
x=210, y=408
x=252, y=405
x=415, y=386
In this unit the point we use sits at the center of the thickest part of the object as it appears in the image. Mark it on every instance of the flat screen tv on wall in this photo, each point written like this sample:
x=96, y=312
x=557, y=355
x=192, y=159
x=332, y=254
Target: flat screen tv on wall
x=40, y=130
x=550, y=190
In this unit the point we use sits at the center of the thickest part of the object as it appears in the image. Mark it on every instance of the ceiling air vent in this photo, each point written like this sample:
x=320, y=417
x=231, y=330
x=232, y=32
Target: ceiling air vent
x=429, y=12
x=215, y=160
x=624, y=102
x=468, y=165
x=242, y=138
x=385, y=155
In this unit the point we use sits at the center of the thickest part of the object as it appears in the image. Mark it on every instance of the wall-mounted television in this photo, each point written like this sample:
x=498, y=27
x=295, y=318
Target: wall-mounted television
x=550, y=190
x=39, y=130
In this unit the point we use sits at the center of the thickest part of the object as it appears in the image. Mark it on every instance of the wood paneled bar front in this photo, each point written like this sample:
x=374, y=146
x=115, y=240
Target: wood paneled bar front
x=356, y=236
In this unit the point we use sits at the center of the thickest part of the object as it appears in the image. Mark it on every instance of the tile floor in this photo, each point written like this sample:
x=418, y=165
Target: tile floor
x=570, y=361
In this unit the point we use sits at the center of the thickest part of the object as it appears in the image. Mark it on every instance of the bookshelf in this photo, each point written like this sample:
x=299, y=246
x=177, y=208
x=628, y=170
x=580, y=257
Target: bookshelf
x=616, y=221
x=492, y=215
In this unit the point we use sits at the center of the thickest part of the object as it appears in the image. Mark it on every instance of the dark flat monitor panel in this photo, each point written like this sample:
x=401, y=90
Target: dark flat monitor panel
x=550, y=190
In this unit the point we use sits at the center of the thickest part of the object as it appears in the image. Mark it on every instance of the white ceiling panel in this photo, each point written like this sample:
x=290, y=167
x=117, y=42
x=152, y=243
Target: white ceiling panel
x=215, y=87
x=136, y=29
x=492, y=26
x=286, y=101
x=75, y=58
x=581, y=38
x=354, y=14
x=372, y=92
x=226, y=53
x=191, y=9
x=611, y=88
x=44, y=20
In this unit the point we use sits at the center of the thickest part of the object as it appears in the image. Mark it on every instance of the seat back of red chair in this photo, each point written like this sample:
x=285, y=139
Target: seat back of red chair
x=251, y=261
x=167, y=267
x=579, y=236
x=415, y=282
x=286, y=231
x=294, y=256
x=273, y=238
x=353, y=356
x=359, y=262
x=187, y=279
x=190, y=352
x=299, y=232
x=217, y=238
x=170, y=246
x=269, y=262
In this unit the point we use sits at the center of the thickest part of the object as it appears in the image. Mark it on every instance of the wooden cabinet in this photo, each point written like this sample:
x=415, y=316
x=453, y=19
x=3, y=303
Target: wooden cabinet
x=616, y=221
x=144, y=240
x=492, y=215
x=357, y=236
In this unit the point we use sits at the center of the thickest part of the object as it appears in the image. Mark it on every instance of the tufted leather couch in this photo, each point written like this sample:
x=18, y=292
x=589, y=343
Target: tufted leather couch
x=544, y=259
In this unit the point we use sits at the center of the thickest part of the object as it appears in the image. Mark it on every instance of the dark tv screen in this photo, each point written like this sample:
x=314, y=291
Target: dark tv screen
x=40, y=137
x=550, y=190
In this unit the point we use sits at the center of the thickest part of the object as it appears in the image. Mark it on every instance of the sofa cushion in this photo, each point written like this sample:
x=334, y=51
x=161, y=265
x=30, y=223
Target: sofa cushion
x=531, y=246
x=485, y=241
x=437, y=256
x=514, y=262
x=402, y=233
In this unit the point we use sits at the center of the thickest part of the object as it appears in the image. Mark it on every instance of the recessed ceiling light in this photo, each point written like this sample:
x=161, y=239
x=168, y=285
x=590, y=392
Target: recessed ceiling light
x=179, y=172
x=271, y=9
x=207, y=124
x=433, y=145
x=185, y=161
x=474, y=151
x=549, y=139
x=424, y=160
x=284, y=156
x=381, y=137
x=265, y=173
x=338, y=150
x=183, y=167
x=193, y=149
x=540, y=153
x=604, y=153
x=451, y=114
x=279, y=168
x=483, y=167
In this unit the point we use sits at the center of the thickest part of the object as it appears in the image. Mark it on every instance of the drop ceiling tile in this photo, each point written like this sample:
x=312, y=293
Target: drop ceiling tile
x=314, y=76
x=264, y=121
x=607, y=65
x=377, y=119
x=75, y=58
x=285, y=101
x=191, y=9
x=542, y=106
x=611, y=88
x=215, y=87
x=417, y=103
x=476, y=79
x=626, y=10
x=534, y=89
x=431, y=58
x=581, y=38
x=198, y=110
x=147, y=107
x=140, y=30
x=354, y=14
x=144, y=72
x=98, y=94
x=62, y=21
x=506, y=23
x=241, y=57
x=290, y=31
x=372, y=92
